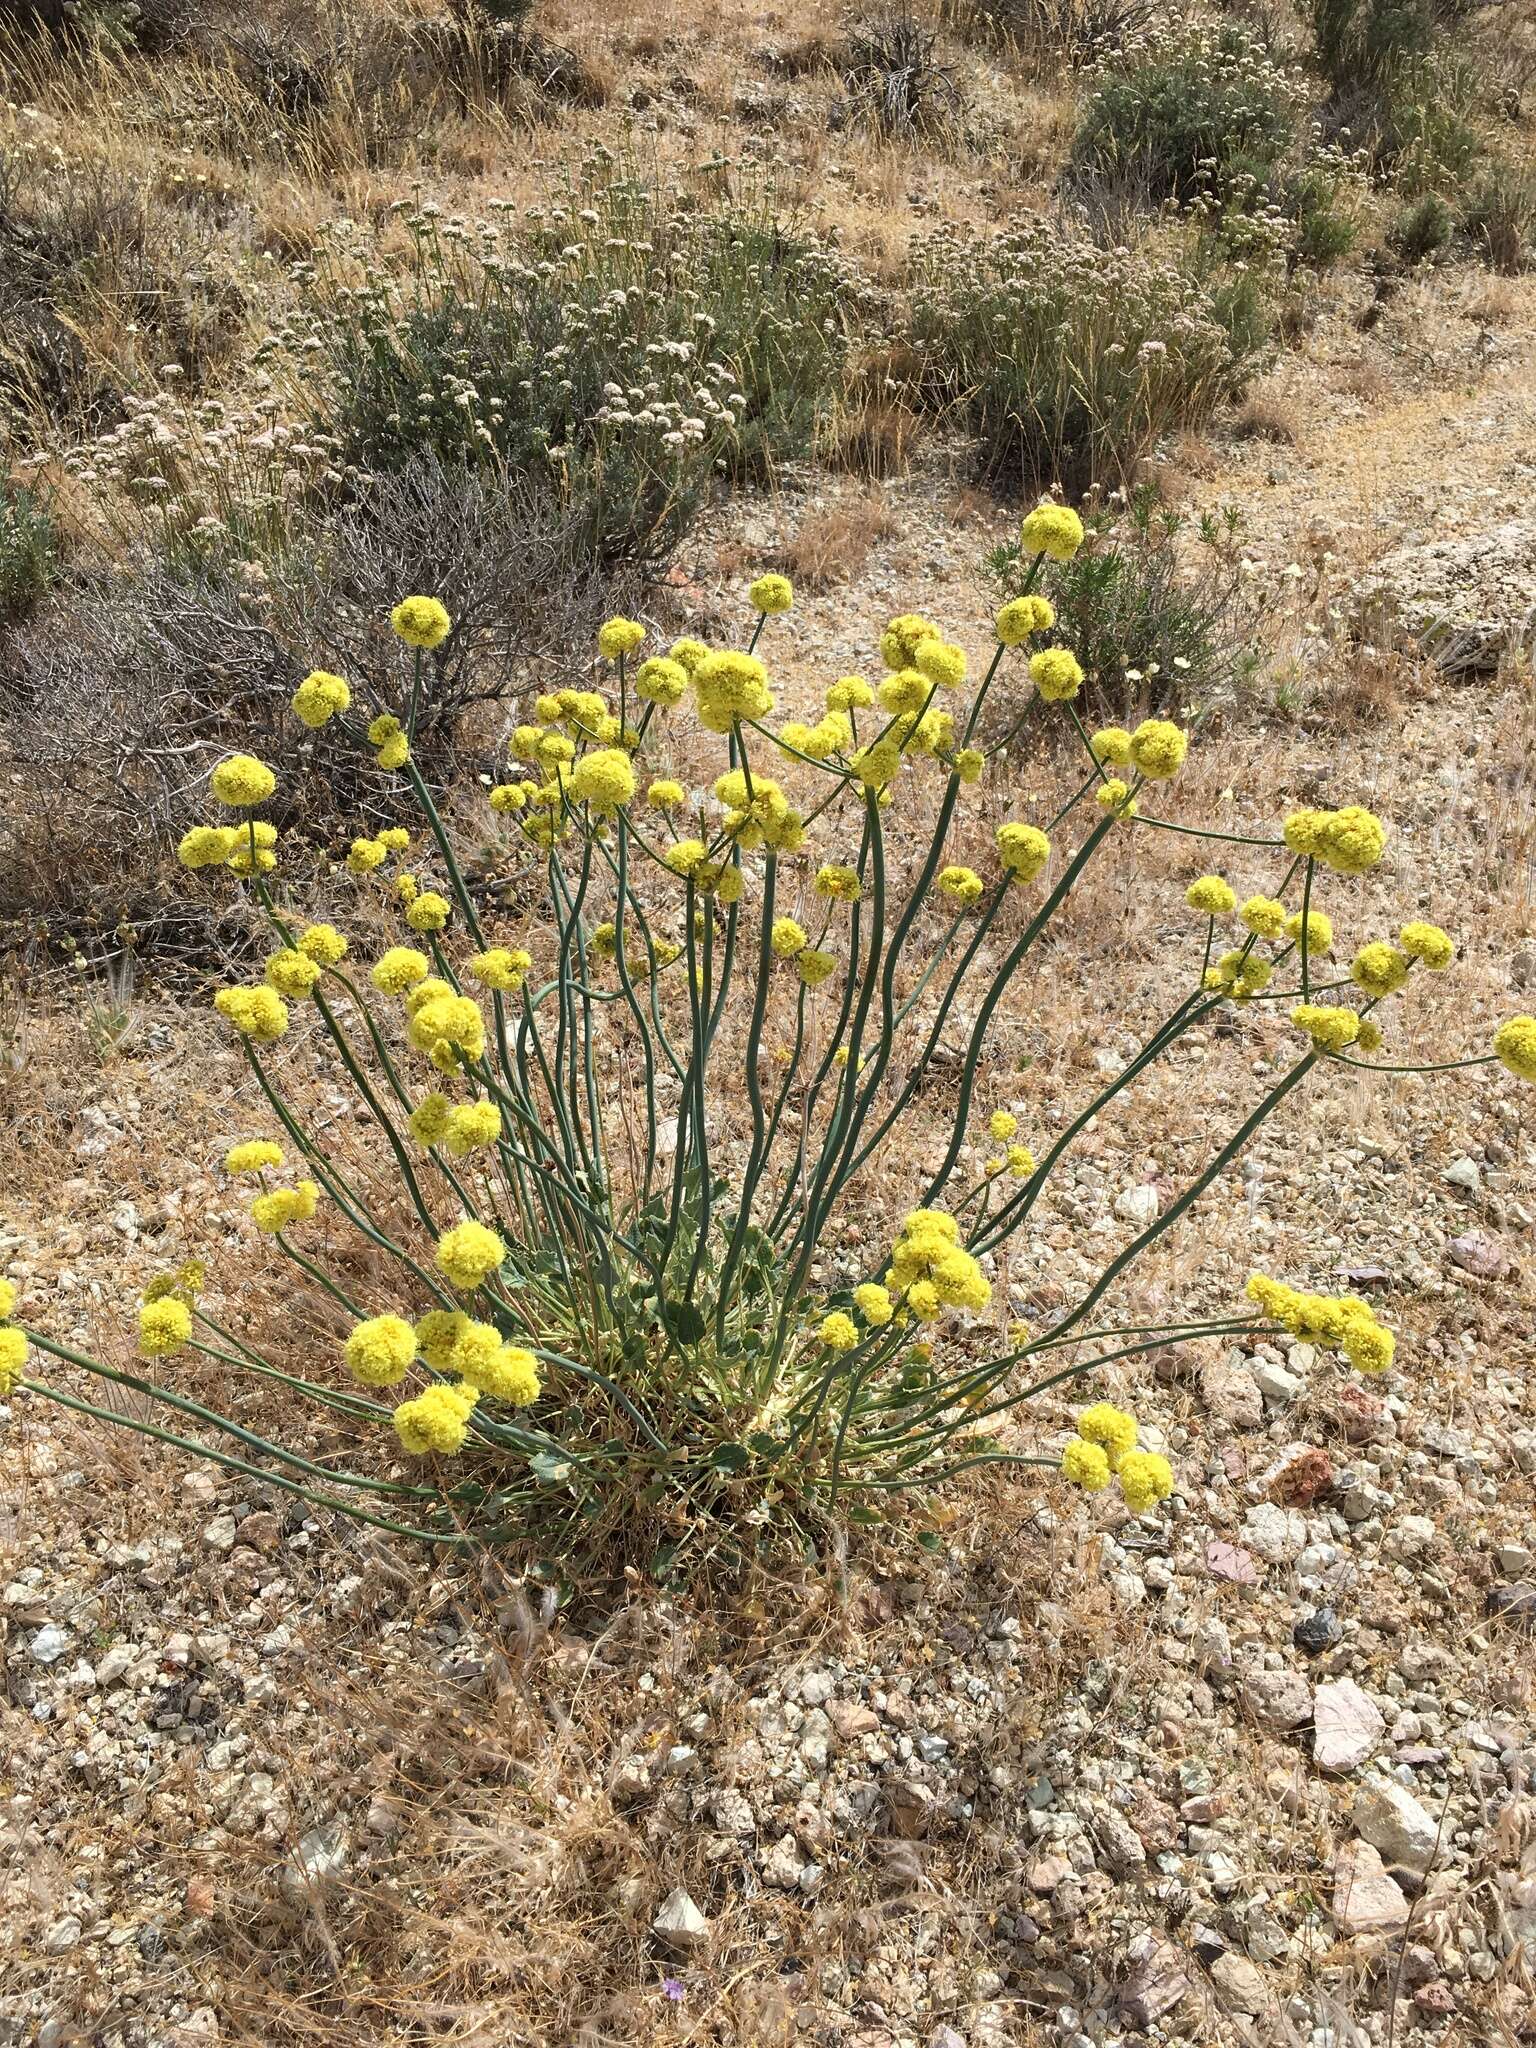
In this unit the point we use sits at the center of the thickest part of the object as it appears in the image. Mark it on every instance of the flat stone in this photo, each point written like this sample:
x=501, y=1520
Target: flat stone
x=1240, y=1984
x=679, y=1925
x=1138, y=1205
x=49, y=1644
x=1046, y=1873
x=1365, y=1899
x=1346, y=1726
x=1300, y=1476
x=1229, y=1392
x=1274, y=1533
x=1157, y=1983
x=1478, y=1254
x=1388, y=1816
x=1279, y=1700
x=1464, y=1173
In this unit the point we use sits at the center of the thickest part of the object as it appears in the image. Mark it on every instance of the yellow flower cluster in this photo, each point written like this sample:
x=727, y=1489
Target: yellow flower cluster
x=13, y=1342
x=421, y=622
x=320, y=698
x=429, y=912
x=963, y=885
x=255, y=1155
x=436, y=1419
x=1211, y=895
x=729, y=687
x=1022, y=617
x=1023, y=850
x=838, y=884
x=292, y=973
x=501, y=967
x=1239, y=975
x=1264, y=916
x=1515, y=1044
x=1111, y=746
x=469, y=1254
x=661, y=680
x=323, y=943
x=1427, y=944
x=1105, y=1447
x=241, y=781
x=605, y=779
x=165, y=1327
x=933, y=1270
x=1338, y=1322
x=874, y=1304
x=1158, y=749
x=758, y=813
x=1329, y=1026
x=839, y=1332
x=259, y=1014
x=1057, y=674
x=277, y=1208
x=1052, y=530
x=387, y=735
x=771, y=594
x=402, y=967
x=448, y=1028
x=1380, y=969
x=787, y=938
x=1350, y=840
x=620, y=636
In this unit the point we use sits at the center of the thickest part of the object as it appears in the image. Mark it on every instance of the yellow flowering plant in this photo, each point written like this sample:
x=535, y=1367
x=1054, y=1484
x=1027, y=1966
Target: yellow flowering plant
x=592, y=1294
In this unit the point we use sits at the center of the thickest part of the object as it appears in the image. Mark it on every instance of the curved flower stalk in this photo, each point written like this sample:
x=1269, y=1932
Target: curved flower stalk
x=616, y=1143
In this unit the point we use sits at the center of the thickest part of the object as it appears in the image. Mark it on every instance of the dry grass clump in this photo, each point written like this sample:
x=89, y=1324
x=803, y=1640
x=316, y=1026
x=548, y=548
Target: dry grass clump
x=833, y=543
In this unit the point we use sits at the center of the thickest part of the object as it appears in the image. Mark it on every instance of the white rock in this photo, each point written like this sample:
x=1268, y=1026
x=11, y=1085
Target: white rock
x=1278, y=1699
x=1276, y=1534
x=1278, y=1386
x=1393, y=1821
x=1464, y=1173
x=679, y=1925
x=1365, y=1899
x=1346, y=1726
x=50, y=1643
x=62, y=1935
x=783, y=1864
x=1138, y=1205
x=112, y=1663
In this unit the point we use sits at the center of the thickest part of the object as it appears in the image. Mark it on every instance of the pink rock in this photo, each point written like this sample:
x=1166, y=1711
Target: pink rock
x=1346, y=1726
x=1365, y=1899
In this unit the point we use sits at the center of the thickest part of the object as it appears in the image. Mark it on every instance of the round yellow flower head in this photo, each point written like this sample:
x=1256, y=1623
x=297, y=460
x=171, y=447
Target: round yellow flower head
x=1238, y=975
x=1368, y=1346
x=394, y=753
x=1056, y=673
x=664, y=795
x=436, y=1420
x=429, y=913
x=1001, y=1125
x=1111, y=746
x=838, y=1332
x=1022, y=617
x=395, y=837
x=1379, y=969
x=469, y=1254
x=471, y=1126
x=259, y=1014
x=1085, y=1465
x=320, y=698
x=906, y=690
x=364, y=855
x=1112, y=1429
x=1115, y=795
x=381, y=1350
x=508, y=796
x=429, y=1119
x=421, y=622
x=850, y=693
x=13, y=1358
x=1145, y=1479
x=448, y=1029
x=730, y=687
x=501, y=967
x=1369, y=1036
x=255, y=1155
x=941, y=663
x=604, y=779
x=1329, y=1026
x=687, y=653
x=208, y=846
x=1352, y=840
x=874, y=1304
x=902, y=638
x=402, y=967
x=1158, y=748
x=1264, y=916
x=1515, y=1044
x=787, y=938
x=1023, y=850
x=323, y=943
x=1211, y=895
x=963, y=885
x=838, y=884
x=877, y=764
x=968, y=764
x=1020, y=1160
x=1303, y=831
x=771, y=594
x=438, y=1334
x=274, y=1211
x=1428, y=944
x=661, y=680
x=620, y=636
x=165, y=1327
x=814, y=967
x=292, y=973
x=1052, y=530
x=505, y=1372
x=240, y=781
x=1319, y=930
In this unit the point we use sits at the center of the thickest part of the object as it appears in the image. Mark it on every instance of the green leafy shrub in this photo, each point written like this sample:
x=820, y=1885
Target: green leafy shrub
x=1156, y=609
x=1184, y=116
x=29, y=550
x=583, y=1265
x=1046, y=34
x=1067, y=361
x=1423, y=229
x=618, y=350
x=1498, y=214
